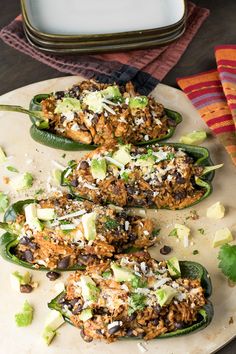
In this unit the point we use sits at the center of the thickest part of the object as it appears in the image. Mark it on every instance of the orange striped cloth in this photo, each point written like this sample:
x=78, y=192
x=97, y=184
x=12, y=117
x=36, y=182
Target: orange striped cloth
x=213, y=93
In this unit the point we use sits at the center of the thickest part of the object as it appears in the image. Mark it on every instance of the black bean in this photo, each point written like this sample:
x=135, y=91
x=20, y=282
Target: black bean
x=133, y=316
x=114, y=329
x=95, y=119
x=189, y=159
x=26, y=288
x=155, y=321
x=180, y=195
x=59, y=95
x=84, y=337
x=157, y=308
x=165, y=250
x=74, y=182
x=64, y=263
x=98, y=331
x=132, y=237
x=77, y=310
x=52, y=275
x=83, y=165
x=69, y=196
x=180, y=179
x=24, y=240
x=129, y=332
x=83, y=127
x=28, y=255
x=131, y=189
x=33, y=245
x=179, y=325
x=171, y=122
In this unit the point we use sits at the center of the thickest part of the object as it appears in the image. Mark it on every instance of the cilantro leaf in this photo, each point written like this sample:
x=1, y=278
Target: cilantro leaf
x=4, y=202
x=138, y=282
x=173, y=233
x=12, y=169
x=227, y=258
x=136, y=302
x=111, y=224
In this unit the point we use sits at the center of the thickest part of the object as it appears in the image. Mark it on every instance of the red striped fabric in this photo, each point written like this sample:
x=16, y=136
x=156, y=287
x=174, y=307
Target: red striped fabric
x=213, y=93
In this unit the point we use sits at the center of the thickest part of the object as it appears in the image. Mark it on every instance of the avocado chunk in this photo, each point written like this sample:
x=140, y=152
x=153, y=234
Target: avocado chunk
x=89, y=225
x=45, y=214
x=165, y=295
x=173, y=267
x=22, y=182
x=52, y=323
x=94, y=101
x=138, y=102
x=98, y=168
x=222, y=236
x=18, y=279
x=111, y=92
x=194, y=138
x=31, y=217
x=86, y=314
x=216, y=211
x=122, y=155
x=68, y=104
x=56, y=175
x=89, y=289
x=122, y=273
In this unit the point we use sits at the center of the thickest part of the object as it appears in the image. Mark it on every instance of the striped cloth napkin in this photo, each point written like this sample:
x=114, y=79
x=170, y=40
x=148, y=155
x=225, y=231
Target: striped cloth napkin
x=213, y=93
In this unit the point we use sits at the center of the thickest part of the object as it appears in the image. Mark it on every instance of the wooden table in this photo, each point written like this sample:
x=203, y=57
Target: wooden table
x=17, y=69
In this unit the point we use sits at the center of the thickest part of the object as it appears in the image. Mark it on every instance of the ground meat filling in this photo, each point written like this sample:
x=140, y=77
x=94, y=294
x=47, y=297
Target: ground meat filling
x=154, y=176
x=113, y=120
x=131, y=307
x=61, y=243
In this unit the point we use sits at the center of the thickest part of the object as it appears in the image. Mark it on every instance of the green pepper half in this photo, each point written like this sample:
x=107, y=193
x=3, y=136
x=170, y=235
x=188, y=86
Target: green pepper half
x=40, y=132
x=201, y=157
x=9, y=240
x=191, y=270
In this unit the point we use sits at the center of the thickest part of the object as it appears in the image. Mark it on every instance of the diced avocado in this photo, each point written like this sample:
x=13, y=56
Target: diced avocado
x=98, y=168
x=45, y=214
x=216, y=211
x=94, y=101
x=18, y=279
x=122, y=155
x=3, y=157
x=149, y=162
x=68, y=104
x=86, y=315
x=111, y=92
x=89, y=289
x=48, y=335
x=89, y=225
x=138, y=102
x=182, y=231
x=54, y=320
x=114, y=162
x=122, y=273
x=4, y=202
x=56, y=175
x=222, y=236
x=194, y=138
x=52, y=323
x=173, y=267
x=31, y=217
x=22, y=182
x=165, y=295
x=25, y=317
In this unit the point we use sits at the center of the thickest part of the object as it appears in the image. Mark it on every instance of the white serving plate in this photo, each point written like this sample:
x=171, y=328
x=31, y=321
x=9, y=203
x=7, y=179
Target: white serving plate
x=73, y=17
x=27, y=155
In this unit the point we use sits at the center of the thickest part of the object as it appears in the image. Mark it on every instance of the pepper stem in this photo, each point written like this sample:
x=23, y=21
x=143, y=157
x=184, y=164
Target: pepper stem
x=36, y=115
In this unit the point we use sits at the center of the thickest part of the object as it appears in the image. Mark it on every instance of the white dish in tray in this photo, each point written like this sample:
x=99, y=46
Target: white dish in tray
x=72, y=17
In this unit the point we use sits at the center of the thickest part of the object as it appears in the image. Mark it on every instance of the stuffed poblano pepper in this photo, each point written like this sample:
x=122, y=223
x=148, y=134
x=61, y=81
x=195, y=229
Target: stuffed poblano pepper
x=171, y=176
x=135, y=296
x=91, y=114
x=63, y=233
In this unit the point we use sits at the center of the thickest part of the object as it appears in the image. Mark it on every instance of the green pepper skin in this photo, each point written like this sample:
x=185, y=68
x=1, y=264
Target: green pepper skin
x=50, y=139
x=201, y=156
x=8, y=241
x=188, y=269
